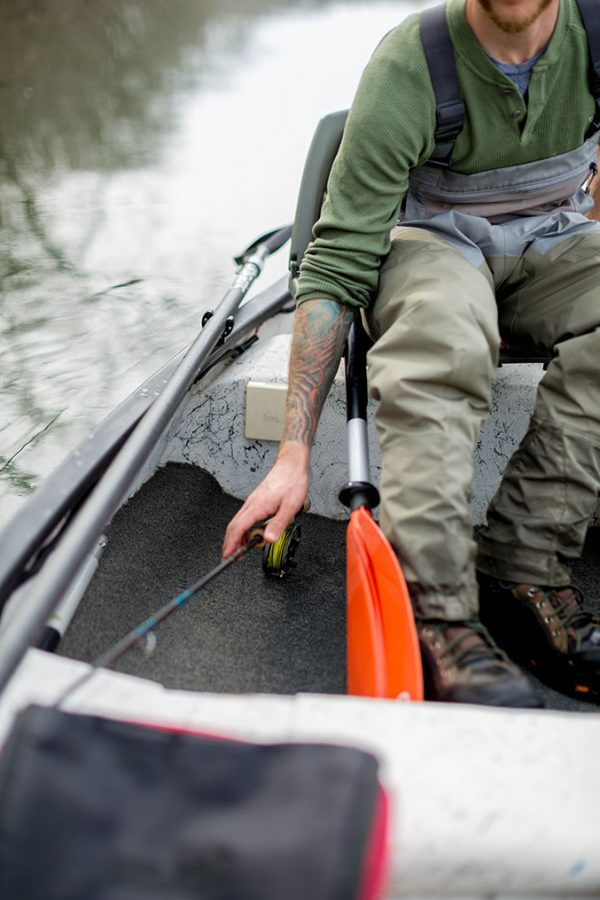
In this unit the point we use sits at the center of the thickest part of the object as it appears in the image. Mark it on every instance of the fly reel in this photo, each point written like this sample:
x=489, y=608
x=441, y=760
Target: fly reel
x=279, y=558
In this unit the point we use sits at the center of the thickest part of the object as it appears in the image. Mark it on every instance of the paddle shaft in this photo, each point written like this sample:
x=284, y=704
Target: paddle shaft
x=383, y=650
x=359, y=490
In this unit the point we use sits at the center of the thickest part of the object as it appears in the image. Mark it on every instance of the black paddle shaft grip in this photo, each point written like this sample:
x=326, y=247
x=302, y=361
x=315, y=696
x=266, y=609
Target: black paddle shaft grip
x=356, y=372
x=358, y=491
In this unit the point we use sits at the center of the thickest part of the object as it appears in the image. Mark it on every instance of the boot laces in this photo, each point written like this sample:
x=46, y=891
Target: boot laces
x=483, y=652
x=567, y=603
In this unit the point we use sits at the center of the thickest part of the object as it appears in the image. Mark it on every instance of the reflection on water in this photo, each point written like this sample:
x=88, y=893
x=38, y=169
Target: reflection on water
x=89, y=86
x=142, y=145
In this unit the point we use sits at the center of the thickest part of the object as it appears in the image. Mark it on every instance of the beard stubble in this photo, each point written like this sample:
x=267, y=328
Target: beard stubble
x=513, y=26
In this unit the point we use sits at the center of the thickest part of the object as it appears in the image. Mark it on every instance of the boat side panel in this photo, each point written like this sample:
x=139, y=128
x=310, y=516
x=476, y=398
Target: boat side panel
x=209, y=432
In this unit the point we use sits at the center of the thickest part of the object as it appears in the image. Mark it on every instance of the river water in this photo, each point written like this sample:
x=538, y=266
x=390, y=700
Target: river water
x=143, y=144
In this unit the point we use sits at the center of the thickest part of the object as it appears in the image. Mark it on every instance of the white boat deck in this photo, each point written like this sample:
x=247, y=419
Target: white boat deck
x=485, y=802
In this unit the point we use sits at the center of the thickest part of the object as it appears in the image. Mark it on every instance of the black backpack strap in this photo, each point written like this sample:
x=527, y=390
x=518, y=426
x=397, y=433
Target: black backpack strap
x=589, y=10
x=450, y=108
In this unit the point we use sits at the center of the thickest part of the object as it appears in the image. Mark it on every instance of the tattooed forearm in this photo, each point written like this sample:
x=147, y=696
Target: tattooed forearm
x=320, y=331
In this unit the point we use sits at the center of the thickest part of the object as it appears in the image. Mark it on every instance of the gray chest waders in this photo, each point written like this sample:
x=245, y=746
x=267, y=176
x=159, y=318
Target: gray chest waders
x=525, y=201
x=436, y=324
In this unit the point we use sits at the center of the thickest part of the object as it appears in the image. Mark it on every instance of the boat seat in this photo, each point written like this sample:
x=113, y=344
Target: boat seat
x=321, y=154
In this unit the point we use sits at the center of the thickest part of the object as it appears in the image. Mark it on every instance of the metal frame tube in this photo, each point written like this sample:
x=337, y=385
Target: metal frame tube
x=112, y=489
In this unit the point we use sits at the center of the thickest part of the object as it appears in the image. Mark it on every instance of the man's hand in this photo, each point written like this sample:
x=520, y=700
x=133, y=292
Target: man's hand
x=320, y=330
x=278, y=498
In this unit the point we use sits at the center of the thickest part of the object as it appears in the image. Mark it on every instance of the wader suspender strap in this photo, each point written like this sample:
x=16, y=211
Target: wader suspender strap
x=450, y=108
x=588, y=10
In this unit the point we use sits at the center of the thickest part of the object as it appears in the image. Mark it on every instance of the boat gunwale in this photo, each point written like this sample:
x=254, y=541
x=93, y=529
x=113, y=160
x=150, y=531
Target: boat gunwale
x=43, y=519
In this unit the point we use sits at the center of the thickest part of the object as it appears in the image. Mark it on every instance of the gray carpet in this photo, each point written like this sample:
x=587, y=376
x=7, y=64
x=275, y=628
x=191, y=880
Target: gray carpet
x=245, y=632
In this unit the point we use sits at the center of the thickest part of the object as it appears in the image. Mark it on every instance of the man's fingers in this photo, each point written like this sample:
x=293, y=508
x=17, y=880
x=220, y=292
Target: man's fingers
x=273, y=530
x=279, y=522
x=277, y=499
x=249, y=515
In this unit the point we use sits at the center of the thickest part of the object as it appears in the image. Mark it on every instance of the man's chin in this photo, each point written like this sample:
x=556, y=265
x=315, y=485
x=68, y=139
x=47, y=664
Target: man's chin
x=500, y=14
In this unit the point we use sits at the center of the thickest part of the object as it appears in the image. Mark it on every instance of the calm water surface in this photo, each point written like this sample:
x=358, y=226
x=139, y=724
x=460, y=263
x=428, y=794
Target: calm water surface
x=143, y=144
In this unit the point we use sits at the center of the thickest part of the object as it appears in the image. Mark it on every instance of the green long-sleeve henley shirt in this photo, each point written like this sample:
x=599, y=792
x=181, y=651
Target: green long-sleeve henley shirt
x=390, y=129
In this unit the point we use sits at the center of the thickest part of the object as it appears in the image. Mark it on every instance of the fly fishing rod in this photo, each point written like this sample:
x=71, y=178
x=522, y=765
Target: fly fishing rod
x=255, y=538
x=114, y=653
x=278, y=561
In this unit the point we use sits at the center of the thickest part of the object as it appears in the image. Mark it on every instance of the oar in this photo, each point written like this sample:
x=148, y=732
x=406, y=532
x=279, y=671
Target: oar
x=382, y=644
x=106, y=497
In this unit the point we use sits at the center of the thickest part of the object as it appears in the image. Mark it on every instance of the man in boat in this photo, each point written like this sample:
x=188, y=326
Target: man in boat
x=493, y=243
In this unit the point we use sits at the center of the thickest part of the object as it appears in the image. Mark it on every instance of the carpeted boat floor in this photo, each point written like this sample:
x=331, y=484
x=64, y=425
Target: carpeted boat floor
x=244, y=632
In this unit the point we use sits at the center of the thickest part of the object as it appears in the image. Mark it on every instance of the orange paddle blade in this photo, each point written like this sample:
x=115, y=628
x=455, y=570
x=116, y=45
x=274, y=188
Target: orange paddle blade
x=383, y=648
x=364, y=635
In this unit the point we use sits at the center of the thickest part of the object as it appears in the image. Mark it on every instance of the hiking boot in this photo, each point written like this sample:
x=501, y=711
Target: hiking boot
x=462, y=664
x=547, y=631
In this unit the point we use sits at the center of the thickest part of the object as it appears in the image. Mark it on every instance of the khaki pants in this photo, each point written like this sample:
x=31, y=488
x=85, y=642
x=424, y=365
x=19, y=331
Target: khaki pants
x=437, y=322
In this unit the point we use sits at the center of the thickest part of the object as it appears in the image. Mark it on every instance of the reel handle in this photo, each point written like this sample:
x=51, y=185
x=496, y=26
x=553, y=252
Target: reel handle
x=255, y=535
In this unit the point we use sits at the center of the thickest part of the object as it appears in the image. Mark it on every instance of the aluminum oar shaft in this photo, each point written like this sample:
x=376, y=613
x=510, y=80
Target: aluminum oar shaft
x=113, y=487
